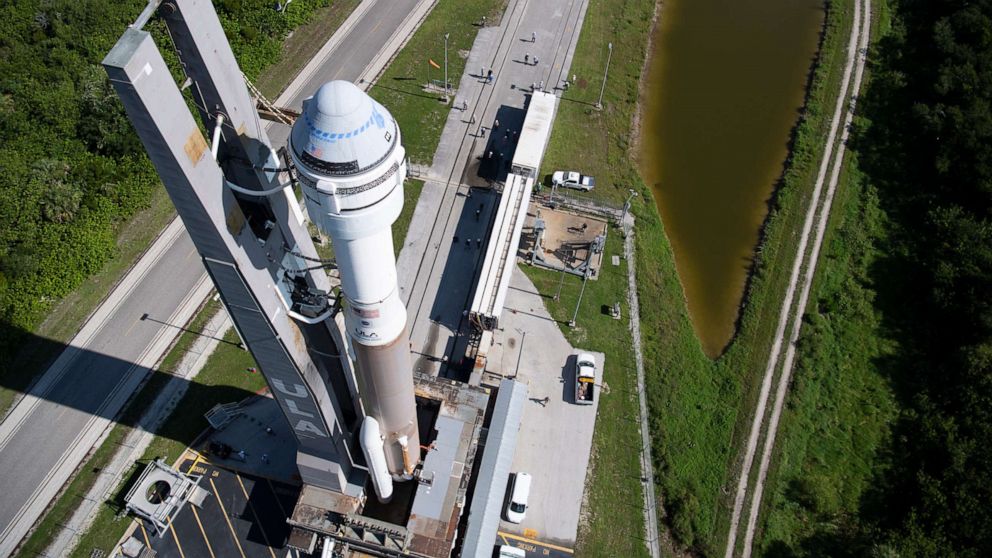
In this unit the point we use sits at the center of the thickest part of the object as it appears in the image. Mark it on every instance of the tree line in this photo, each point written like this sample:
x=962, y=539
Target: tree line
x=925, y=144
x=71, y=168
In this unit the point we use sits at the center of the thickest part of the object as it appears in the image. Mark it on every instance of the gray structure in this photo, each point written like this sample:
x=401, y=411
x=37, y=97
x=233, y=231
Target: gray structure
x=246, y=227
x=494, y=470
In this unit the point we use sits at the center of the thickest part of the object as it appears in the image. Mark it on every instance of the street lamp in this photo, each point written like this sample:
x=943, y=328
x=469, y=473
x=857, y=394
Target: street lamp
x=446, y=63
x=575, y=315
x=626, y=205
x=599, y=103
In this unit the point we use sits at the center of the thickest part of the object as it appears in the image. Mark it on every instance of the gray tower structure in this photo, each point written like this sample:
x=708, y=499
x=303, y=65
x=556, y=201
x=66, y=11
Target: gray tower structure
x=248, y=228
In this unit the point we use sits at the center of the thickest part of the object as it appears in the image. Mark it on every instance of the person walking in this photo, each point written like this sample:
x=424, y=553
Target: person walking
x=533, y=36
x=535, y=61
x=496, y=124
x=527, y=58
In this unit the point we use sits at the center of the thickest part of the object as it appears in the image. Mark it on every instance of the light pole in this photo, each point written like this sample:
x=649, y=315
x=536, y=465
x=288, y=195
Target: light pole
x=599, y=103
x=626, y=205
x=578, y=302
x=446, y=63
x=523, y=337
x=561, y=282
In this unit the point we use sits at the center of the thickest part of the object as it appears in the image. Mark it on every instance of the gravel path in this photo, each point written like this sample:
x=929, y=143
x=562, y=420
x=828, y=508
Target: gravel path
x=820, y=208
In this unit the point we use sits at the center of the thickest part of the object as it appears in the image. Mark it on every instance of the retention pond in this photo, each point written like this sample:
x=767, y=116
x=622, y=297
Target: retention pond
x=726, y=83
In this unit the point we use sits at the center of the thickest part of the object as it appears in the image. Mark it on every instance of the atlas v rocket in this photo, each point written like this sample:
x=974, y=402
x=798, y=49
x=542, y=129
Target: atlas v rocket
x=247, y=226
x=351, y=165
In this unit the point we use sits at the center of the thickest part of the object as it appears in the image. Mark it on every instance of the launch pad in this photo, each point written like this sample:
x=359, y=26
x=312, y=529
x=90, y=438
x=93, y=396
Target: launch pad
x=424, y=514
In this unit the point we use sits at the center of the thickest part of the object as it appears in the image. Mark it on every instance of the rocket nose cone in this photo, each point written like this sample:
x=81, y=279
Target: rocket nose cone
x=342, y=131
x=339, y=98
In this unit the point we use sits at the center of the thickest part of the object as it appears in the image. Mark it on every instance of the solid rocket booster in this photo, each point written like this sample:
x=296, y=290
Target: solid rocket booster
x=351, y=165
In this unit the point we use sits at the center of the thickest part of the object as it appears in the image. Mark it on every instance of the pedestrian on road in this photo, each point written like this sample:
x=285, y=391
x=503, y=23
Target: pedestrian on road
x=265, y=458
x=496, y=124
x=468, y=243
x=472, y=121
x=490, y=74
x=490, y=78
x=547, y=400
x=533, y=37
x=482, y=71
x=533, y=86
x=535, y=61
x=478, y=212
x=478, y=242
x=464, y=106
x=490, y=156
x=527, y=58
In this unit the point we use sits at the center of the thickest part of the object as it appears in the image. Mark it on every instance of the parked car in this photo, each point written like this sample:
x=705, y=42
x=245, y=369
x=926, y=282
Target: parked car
x=516, y=508
x=585, y=379
x=572, y=179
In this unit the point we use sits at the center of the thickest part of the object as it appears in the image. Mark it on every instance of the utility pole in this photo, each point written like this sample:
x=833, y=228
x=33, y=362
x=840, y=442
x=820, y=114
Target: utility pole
x=599, y=103
x=446, y=63
x=626, y=206
x=575, y=315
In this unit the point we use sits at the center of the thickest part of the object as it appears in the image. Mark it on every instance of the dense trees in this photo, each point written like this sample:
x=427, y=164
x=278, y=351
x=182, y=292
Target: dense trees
x=71, y=169
x=928, y=148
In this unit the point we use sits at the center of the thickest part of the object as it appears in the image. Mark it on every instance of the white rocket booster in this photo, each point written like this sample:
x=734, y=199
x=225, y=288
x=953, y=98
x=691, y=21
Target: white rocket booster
x=349, y=160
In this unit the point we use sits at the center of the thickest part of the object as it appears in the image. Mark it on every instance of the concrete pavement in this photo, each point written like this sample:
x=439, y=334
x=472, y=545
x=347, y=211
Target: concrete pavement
x=437, y=272
x=71, y=408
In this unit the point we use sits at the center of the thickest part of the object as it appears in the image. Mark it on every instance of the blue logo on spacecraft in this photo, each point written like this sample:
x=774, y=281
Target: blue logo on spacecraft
x=379, y=120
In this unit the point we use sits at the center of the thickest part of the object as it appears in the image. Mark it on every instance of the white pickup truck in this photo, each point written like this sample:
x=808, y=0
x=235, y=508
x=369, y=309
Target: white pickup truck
x=585, y=379
x=572, y=179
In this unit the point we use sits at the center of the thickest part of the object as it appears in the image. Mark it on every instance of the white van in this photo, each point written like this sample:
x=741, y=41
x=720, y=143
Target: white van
x=516, y=508
x=507, y=551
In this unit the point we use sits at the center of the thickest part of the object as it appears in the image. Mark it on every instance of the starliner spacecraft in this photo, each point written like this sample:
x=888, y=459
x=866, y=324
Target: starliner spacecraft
x=235, y=197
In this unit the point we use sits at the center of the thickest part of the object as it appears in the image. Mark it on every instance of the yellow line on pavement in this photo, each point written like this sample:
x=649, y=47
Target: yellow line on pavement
x=176, y=538
x=223, y=510
x=536, y=542
x=251, y=508
x=506, y=542
x=202, y=532
x=144, y=534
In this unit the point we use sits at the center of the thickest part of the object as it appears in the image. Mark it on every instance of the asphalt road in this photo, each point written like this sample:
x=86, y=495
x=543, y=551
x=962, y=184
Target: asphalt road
x=50, y=431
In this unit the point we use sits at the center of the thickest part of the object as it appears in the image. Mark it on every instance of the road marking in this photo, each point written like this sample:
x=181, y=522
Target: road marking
x=128, y=332
x=506, y=542
x=175, y=537
x=202, y=532
x=144, y=533
x=251, y=508
x=223, y=510
x=535, y=542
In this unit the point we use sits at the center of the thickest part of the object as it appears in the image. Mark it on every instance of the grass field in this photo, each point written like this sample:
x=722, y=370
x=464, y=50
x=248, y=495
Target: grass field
x=841, y=405
x=420, y=114
x=698, y=406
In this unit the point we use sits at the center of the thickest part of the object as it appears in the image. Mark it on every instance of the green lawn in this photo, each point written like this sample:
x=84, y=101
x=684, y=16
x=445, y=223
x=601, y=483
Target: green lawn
x=699, y=407
x=419, y=113
x=841, y=405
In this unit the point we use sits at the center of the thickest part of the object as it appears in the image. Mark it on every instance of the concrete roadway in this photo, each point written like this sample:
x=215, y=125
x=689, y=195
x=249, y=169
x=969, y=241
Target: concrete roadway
x=52, y=428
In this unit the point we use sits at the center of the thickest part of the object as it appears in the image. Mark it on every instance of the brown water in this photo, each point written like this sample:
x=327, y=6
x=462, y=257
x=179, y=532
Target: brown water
x=726, y=85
